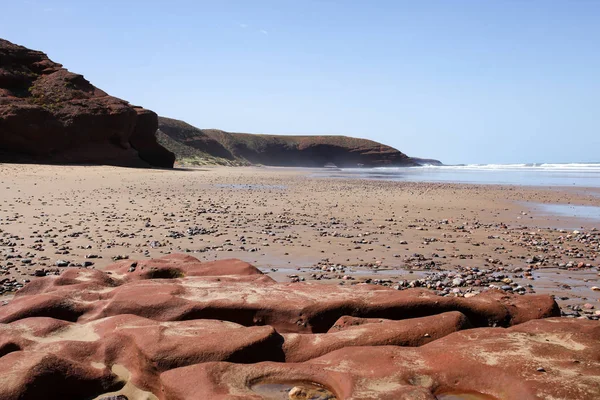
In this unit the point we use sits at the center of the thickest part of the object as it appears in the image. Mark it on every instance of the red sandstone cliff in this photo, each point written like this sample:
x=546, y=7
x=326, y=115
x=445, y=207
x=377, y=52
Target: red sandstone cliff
x=48, y=114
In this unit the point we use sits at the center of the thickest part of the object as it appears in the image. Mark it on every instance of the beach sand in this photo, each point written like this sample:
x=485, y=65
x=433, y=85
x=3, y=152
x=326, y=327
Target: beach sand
x=456, y=238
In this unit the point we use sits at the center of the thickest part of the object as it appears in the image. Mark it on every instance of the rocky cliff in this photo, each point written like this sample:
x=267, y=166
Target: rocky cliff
x=279, y=150
x=48, y=114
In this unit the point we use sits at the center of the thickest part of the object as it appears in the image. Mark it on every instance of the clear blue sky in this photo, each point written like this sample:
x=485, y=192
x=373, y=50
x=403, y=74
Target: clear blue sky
x=478, y=81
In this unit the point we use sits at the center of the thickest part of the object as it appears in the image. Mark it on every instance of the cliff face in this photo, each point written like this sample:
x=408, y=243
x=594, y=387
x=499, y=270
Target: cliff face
x=288, y=151
x=48, y=114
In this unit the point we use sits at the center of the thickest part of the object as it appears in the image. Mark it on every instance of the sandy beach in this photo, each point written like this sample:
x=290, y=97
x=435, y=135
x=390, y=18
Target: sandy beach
x=299, y=200
x=456, y=239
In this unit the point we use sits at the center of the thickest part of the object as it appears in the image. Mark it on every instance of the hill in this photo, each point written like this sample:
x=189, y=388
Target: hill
x=189, y=142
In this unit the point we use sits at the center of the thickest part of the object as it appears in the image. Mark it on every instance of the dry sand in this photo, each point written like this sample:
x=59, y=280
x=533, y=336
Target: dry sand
x=295, y=226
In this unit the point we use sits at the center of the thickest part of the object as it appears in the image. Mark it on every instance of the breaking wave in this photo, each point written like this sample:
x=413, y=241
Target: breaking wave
x=581, y=167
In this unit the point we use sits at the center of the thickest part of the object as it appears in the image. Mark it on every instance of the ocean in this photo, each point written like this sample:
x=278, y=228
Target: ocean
x=569, y=175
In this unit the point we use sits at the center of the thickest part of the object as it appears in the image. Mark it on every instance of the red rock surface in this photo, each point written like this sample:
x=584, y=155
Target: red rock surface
x=494, y=362
x=176, y=328
x=48, y=114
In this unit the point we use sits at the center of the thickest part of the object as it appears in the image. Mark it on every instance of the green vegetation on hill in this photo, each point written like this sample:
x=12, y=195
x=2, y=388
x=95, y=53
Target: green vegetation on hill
x=188, y=155
x=191, y=146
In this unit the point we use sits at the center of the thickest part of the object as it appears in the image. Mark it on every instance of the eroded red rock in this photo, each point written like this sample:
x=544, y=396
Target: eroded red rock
x=177, y=328
x=497, y=363
x=351, y=332
x=250, y=299
x=179, y=266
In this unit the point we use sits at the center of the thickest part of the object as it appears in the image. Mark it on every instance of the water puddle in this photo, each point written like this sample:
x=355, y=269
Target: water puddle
x=250, y=187
x=564, y=277
x=576, y=214
x=570, y=210
x=399, y=273
x=283, y=274
x=388, y=272
x=289, y=271
x=351, y=271
x=292, y=391
x=571, y=284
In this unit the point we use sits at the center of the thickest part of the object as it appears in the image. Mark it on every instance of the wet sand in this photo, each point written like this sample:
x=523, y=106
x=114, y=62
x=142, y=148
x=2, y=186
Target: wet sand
x=457, y=239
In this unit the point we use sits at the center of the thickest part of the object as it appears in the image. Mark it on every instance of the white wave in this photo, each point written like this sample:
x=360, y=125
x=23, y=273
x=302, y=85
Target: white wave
x=558, y=167
x=572, y=165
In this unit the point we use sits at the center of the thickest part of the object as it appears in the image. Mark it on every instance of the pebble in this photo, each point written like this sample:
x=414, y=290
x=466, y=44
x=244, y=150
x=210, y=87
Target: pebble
x=449, y=256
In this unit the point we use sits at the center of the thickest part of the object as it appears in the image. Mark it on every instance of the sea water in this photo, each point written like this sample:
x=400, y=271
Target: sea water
x=585, y=175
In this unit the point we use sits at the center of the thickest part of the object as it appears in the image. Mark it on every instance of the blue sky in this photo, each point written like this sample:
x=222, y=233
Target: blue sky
x=461, y=81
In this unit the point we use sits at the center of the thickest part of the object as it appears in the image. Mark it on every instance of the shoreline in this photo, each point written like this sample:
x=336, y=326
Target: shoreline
x=282, y=218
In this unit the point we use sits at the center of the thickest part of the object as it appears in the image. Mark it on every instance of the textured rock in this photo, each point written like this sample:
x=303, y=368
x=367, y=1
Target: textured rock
x=497, y=363
x=247, y=298
x=279, y=150
x=350, y=332
x=48, y=114
x=44, y=375
x=177, y=265
x=177, y=328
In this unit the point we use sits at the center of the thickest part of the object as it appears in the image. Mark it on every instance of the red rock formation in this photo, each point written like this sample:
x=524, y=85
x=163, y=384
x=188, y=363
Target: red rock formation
x=176, y=328
x=247, y=298
x=177, y=265
x=546, y=359
x=48, y=114
x=353, y=332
